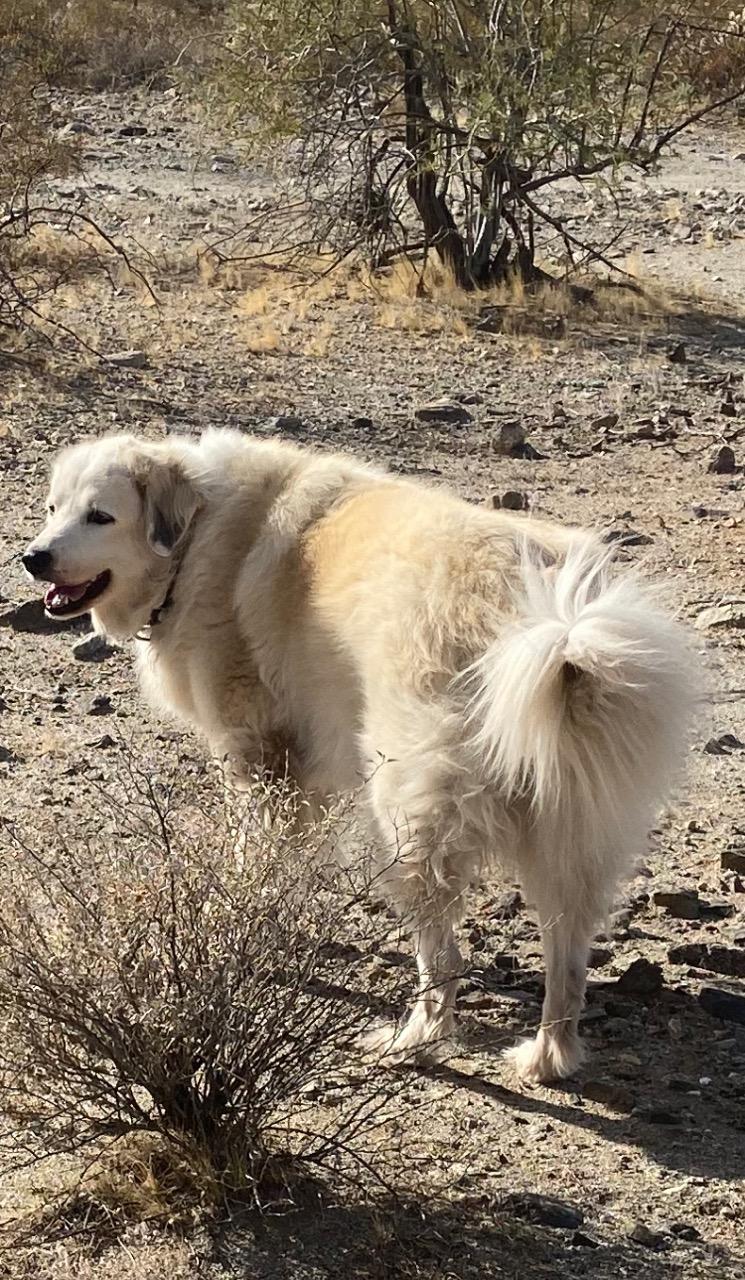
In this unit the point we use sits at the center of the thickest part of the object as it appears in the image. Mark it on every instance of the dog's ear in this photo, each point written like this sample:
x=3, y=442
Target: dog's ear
x=170, y=502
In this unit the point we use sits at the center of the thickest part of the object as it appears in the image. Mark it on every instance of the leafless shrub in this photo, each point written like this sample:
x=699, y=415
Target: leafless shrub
x=158, y=976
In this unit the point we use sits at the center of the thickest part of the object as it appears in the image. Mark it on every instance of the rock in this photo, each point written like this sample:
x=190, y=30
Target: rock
x=512, y=500
x=133, y=131
x=677, y=354
x=723, y=461
x=443, y=411
x=362, y=424
x=723, y=1004
x=641, y=1234
x=643, y=979
x=627, y=538
x=509, y=439
x=582, y=1241
x=598, y=957
x=7, y=756
x=104, y=743
x=733, y=860
x=684, y=1231
x=613, y=1096
x=101, y=705
x=711, y=956
x=717, y=910
x=730, y=613
x=75, y=127
x=93, y=648
x=724, y=745
x=606, y=423
x=544, y=1211
x=728, y=408
x=127, y=359
x=682, y=904
x=288, y=424
x=659, y=1115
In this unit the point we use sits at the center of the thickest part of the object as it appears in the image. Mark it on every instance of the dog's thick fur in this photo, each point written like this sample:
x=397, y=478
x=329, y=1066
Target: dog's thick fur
x=497, y=692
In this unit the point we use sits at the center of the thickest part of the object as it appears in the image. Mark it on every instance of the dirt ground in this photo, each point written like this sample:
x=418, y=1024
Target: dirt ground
x=648, y=1143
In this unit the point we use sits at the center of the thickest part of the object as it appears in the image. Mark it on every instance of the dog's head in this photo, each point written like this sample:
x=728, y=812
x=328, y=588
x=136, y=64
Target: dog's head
x=118, y=511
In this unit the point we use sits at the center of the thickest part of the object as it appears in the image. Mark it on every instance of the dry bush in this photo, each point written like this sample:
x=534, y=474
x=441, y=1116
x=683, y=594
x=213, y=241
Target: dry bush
x=433, y=127
x=160, y=976
x=101, y=44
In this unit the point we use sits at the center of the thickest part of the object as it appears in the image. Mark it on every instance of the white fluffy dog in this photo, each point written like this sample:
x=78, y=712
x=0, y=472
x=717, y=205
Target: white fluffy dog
x=496, y=690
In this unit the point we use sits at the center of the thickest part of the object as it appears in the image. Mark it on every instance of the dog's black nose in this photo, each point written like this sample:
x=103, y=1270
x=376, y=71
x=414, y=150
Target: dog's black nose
x=37, y=562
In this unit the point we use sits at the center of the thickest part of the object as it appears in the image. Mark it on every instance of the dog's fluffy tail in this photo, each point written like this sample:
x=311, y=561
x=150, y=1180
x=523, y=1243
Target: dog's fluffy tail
x=582, y=705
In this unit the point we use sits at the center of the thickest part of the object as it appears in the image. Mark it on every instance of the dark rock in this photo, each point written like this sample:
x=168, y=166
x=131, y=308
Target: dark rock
x=682, y=1084
x=682, y=904
x=723, y=461
x=627, y=538
x=723, y=1004
x=724, y=745
x=512, y=500
x=443, y=411
x=93, y=648
x=7, y=756
x=658, y=1115
x=613, y=1096
x=684, y=1231
x=127, y=359
x=528, y=452
x=716, y=959
x=509, y=439
x=362, y=424
x=606, y=423
x=104, y=743
x=718, y=910
x=728, y=408
x=733, y=860
x=643, y=979
x=677, y=355
x=582, y=1241
x=598, y=957
x=133, y=131
x=542, y=1210
x=641, y=1234
x=101, y=705
x=288, y=424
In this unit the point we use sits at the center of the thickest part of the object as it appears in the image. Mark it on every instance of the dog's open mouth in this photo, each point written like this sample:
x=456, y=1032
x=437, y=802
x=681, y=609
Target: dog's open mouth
x=66, y=598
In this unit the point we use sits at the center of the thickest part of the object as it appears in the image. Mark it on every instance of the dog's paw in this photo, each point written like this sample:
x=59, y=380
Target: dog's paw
x=546, y=1058
x=418, y=1039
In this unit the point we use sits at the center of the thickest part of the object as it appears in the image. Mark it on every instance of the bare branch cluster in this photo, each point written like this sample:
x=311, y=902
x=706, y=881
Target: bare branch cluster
x=154, y=978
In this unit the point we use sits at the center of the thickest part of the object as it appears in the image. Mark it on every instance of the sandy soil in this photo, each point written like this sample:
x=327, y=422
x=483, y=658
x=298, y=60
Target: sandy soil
x=625, y=436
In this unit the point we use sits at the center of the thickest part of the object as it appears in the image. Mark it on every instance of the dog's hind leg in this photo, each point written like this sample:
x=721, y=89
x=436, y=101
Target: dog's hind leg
x=425, y=870
x=567, y=929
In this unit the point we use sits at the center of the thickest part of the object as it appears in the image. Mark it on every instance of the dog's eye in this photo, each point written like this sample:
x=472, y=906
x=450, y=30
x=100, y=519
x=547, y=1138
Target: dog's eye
x=98, y=517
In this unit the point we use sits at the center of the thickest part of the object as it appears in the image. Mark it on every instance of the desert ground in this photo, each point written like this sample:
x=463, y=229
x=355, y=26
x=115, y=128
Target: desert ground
x=624, y=414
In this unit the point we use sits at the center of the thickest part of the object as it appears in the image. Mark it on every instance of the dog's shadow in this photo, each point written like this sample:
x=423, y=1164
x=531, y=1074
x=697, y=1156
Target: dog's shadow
x=649, y=1059
x=662, y=1087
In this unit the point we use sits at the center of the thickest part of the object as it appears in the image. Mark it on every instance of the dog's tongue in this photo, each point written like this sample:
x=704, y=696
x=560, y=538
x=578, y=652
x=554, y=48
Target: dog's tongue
x=65, y=591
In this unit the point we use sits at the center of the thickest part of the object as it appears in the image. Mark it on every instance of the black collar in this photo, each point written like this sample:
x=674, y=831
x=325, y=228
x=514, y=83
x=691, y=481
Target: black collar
x=156, y=615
